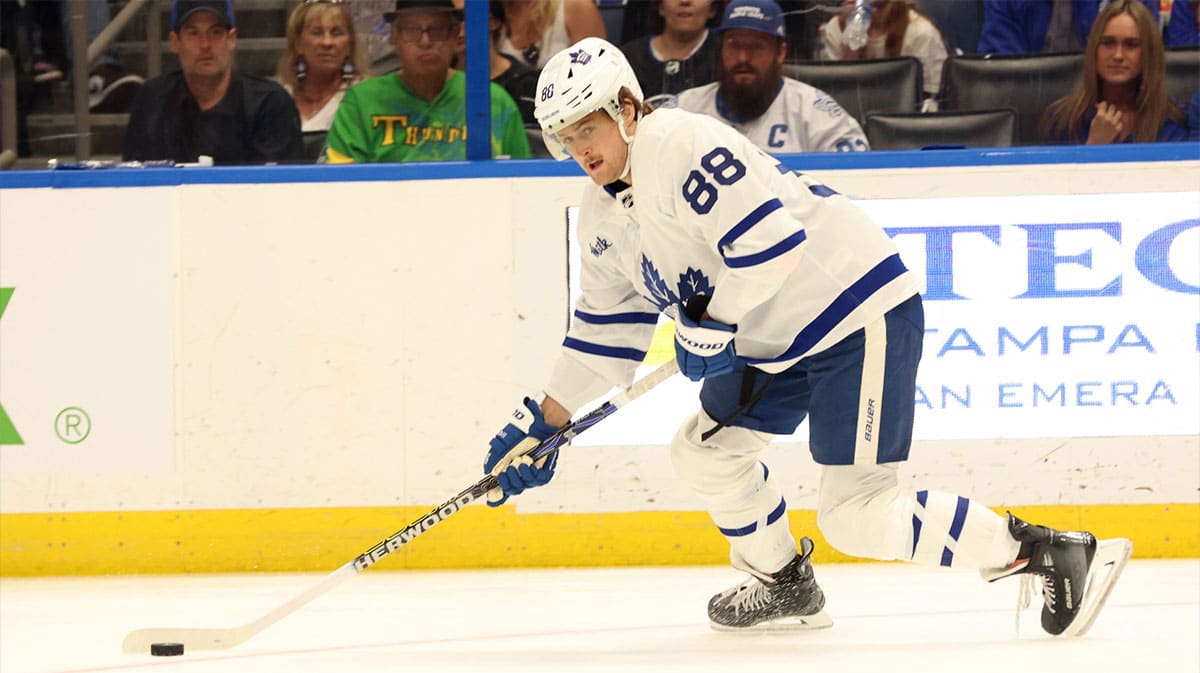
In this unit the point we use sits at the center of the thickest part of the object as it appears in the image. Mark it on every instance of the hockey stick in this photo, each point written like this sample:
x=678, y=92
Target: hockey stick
x=223, y=639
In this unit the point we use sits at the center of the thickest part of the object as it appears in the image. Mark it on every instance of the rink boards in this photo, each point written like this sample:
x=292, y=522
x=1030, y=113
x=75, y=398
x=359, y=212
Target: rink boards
x=275, y=368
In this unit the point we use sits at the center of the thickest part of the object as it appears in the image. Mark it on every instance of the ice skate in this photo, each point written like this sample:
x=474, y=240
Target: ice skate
x=786, y=600
x=1077, y=573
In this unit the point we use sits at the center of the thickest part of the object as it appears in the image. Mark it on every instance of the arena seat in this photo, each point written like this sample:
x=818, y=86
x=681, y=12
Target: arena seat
x=966, y=128
x=866, y=86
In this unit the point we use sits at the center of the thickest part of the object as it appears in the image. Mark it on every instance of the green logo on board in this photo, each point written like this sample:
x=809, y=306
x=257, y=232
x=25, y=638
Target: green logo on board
x=8, y=431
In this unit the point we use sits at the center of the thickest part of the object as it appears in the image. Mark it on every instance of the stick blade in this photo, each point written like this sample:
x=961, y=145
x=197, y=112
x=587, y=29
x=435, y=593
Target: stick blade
x=138, y=642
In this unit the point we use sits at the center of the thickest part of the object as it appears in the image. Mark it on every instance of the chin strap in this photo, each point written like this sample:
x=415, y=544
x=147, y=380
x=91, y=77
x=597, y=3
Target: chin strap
x=628, y=138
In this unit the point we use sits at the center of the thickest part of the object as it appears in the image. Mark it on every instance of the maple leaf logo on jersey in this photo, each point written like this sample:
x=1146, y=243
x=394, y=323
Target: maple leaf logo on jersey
x=692, y=282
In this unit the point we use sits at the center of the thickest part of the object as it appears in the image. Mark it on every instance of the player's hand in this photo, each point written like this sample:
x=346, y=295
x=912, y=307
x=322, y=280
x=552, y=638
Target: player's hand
x=1109, y=125
x=505, y=459
x=703, y=347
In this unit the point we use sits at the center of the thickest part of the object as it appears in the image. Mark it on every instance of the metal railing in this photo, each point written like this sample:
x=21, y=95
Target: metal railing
x=81, y=66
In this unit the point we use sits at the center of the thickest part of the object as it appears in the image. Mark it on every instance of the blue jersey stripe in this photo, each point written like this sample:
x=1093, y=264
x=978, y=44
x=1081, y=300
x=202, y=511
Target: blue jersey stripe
x=768, y=254
x=618, y=318
x=774, y=516
x=883, y=273
x=922, y=496
x=747, y=222
x=606, y=351
x=956, y=526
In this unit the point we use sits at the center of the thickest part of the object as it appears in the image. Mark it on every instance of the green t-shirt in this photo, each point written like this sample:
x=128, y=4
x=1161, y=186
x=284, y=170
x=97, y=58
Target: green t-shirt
x=383, y=120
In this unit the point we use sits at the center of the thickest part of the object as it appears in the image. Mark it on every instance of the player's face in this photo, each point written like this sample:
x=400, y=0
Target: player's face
x=204, y=46
x=1119, y=54
x=324, y=42
x=686, y=16
x=597, y=146
x=750, y=59
x=425, y=42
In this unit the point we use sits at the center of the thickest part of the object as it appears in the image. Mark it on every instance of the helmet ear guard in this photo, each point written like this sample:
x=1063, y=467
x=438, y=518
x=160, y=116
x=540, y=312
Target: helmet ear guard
x=579, y=80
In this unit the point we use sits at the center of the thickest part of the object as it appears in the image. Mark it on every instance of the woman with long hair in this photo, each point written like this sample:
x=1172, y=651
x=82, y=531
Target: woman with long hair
x=1122, y=96
x=323, y=58
x=534, y=30
x=897, y=29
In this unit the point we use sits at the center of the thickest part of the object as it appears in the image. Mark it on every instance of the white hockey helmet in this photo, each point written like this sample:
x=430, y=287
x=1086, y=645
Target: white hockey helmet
x=577, y=81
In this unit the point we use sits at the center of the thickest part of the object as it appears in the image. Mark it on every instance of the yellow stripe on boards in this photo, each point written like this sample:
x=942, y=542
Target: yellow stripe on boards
x=104, y=543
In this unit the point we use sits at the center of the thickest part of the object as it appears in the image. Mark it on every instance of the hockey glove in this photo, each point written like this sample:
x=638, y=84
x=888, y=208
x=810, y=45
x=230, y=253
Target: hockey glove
x=514, y=470
x=702, y=347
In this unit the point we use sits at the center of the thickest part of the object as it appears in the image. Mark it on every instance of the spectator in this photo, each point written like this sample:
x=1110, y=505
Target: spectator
x=958, y=22
x=207, y=107
x=518, y=79
x=323, y=58
x=110, y=88
x=419, y=113
x=681, y=55
x=777, y=113
x=1122, y=97
x=1035, y=26
x=1183, y=30
x=38, y=36
x=897, y=29
x=535, y=30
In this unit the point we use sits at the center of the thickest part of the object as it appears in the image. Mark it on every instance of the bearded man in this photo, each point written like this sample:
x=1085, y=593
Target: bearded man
x=777, y=113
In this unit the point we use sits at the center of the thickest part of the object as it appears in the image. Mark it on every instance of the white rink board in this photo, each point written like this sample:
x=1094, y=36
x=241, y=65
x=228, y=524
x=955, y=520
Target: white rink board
x=356, y=343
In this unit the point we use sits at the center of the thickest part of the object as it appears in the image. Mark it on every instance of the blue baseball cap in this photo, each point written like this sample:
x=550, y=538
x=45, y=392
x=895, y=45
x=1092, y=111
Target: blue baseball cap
x=182, y=10
x=763, y=16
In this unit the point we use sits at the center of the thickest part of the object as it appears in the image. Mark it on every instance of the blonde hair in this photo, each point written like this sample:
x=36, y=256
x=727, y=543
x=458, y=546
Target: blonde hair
x=285, y=72
x=541, y=17
x=1153, y=105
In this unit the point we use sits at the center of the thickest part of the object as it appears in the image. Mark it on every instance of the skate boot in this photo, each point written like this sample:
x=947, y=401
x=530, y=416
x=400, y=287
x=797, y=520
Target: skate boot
x=788, y=599
x=1076, y=571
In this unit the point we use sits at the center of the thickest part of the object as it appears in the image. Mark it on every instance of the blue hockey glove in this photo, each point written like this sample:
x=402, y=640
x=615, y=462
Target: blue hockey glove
x=514, y=470
x=702, y=347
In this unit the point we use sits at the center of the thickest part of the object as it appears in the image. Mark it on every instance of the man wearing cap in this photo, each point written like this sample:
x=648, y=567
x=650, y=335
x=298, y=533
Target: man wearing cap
x=777, y=113
x=420, y=112
x=207, y=108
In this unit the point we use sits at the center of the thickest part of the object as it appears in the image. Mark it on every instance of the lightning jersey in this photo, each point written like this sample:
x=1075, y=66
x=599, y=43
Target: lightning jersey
x=802, y=118
x=792, y=263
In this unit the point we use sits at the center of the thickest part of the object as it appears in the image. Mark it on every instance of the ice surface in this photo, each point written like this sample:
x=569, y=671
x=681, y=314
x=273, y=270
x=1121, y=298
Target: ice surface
x=888, y=618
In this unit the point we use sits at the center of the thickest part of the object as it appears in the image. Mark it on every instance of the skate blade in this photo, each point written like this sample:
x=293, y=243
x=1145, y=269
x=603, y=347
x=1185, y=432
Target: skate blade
x=1107, y=564
x=819, y=620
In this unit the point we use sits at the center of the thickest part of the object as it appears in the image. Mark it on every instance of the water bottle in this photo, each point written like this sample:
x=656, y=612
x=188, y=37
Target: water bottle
x=857, y=24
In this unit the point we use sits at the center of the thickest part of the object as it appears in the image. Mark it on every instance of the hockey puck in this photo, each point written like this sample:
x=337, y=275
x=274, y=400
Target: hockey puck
x=166, y=649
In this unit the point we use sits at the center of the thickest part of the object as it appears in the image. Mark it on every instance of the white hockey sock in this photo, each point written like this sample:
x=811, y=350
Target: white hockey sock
x=743, y=500
x=950, y=530
x=862, y=511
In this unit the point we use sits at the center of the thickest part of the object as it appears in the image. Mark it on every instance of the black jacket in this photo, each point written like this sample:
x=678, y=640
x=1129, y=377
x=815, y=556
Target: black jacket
x=255, y=123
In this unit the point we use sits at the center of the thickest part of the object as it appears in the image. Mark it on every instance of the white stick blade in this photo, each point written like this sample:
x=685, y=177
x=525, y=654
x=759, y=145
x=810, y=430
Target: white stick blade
x=139, y=642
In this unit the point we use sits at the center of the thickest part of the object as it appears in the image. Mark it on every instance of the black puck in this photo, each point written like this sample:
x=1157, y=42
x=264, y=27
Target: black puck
x=166, y=649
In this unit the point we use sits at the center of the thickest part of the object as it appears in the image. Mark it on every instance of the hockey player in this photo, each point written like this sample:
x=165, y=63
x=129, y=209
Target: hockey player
x=777, y=113
x=789, y=302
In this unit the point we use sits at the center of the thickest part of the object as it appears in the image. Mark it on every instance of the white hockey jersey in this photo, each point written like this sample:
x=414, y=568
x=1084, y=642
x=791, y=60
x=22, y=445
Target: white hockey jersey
x=802, y=118
x=793, y=264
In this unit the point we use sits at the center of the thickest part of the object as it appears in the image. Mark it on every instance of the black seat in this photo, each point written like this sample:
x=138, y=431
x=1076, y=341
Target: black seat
x=1183, y=73
x=536, y=145
x=314, y=144
x=968, y=128
x=863, y=87
x=1027, y=83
